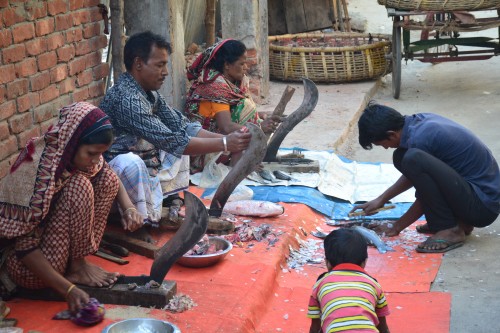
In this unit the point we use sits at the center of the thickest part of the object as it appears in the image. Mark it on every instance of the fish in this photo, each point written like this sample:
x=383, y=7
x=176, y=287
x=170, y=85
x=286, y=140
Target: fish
x=371, y=237
x=268, y=175
x=254, y=176
x=281, y=175
x=253, y=208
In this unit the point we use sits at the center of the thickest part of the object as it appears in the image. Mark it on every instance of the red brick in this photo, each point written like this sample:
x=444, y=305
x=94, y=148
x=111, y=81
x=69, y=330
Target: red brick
x=47, y=60
x=77, y=65
x=28, y=101
x=24, y=137
x=58, y=73
x=67, y=86
x=94, y=59
x=26, y=67
x=90, y=3
x=59, y=103
x=65, y=53
x=55, y=41
x=74, y=35
x=92, y=29
x=17, y=88
x=96, y=89
x=81, y=94
x=3, y=94
x=35, y=9
x=44, y=126
x=12, y=16
x=14, y=53
x=22, y=32
x=75, y=4
x=8, y=147
x=4, y=130
x=4, y=3
x=64, y=22
x=40, y=81
x=5, y=37
x=83, y=47
x=20, y=122
x=44, y=112
x=99, y=42
x=44, y=27
x=84, y=78
x=7, y=73
x=95, y=14
x=36, y=46
x=7, y=109
x=101, y=71
x=81, y=17
x=55, y=7
x=48, y=94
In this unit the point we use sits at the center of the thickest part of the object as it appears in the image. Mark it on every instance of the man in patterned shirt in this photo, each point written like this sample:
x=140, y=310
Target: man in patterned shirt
x=346, y=298
x=153, y=141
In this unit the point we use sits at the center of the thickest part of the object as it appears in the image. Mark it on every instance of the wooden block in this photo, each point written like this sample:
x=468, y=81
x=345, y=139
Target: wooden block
x=119, y=293
x=132, y=244
x=313, y=166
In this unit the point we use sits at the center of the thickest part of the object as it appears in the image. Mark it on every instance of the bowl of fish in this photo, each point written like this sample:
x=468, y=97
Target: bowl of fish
x=207, y=252
x=148, y=325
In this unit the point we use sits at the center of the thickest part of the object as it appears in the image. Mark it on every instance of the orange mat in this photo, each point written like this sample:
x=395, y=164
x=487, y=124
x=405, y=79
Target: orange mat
x=252, y=291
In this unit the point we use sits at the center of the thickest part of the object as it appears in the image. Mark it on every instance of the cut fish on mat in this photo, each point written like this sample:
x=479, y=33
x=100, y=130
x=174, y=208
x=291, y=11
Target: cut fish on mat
x=253, y=208
x=371, y=237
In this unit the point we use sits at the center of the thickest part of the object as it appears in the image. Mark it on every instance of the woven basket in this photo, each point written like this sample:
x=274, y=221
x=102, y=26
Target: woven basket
x=328, y=57
x=444, y=5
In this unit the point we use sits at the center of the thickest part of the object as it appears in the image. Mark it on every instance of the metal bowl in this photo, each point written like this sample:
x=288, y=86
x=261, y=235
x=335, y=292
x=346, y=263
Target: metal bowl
x=206, y=260
x=142, y=325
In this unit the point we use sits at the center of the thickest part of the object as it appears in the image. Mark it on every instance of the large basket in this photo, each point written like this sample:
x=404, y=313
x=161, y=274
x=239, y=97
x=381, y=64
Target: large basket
x=441, y=5
x=328, y=57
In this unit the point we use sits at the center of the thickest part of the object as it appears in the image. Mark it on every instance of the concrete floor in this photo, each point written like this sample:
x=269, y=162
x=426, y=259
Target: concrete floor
x=467, y=92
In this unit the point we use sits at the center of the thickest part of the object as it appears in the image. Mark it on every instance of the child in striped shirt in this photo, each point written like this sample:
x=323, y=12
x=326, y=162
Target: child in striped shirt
x=346, y=298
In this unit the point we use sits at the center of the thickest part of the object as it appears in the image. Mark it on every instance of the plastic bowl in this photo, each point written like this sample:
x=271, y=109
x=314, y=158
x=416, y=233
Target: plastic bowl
x=206, y=260
x=143, y=325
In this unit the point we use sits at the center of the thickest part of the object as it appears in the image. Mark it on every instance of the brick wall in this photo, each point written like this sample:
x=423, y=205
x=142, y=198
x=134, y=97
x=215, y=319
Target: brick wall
x=50, y=56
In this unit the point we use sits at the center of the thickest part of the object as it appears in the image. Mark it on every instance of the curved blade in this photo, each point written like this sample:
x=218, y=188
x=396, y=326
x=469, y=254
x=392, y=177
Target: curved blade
x=190, y=232
x=248, y=162
x=308, y=104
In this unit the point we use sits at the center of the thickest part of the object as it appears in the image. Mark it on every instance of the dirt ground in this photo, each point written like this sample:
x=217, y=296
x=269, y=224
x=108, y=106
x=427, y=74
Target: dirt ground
x=467, y=92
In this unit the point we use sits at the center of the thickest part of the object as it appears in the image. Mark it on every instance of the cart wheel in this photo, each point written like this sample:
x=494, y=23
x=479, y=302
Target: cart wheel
x=396, y=58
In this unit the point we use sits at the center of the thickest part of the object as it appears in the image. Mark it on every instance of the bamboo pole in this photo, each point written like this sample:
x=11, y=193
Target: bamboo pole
x=117, y=37
x=210, y=22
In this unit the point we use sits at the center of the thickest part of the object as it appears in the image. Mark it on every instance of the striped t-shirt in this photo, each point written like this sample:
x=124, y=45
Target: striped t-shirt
x=347, y=299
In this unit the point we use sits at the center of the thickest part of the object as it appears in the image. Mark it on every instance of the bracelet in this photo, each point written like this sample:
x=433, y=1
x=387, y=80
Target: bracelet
x=69, y=290
x=224, y=141
x=129, y=209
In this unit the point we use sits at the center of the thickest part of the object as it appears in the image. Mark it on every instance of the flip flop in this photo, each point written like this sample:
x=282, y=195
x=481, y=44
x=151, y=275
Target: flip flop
x=430, y=241
x=424, y=229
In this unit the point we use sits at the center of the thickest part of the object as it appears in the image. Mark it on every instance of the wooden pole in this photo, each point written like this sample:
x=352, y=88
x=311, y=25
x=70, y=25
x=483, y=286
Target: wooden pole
x=210, y=22
x=117, y=37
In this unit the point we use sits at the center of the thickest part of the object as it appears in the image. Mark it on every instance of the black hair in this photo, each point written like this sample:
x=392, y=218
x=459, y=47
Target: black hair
x=140, y=44
x=104, y=137
x=229, y=52
x=345, y=246
x=376, y=121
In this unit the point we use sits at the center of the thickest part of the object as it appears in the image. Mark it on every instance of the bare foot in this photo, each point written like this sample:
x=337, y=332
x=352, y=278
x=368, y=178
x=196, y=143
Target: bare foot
x=443, y=239
x=142, y=234
x=82, y=272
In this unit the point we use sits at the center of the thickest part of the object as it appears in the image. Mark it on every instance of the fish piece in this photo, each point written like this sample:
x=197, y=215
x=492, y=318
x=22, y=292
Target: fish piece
x=254, y=176
x=281, y=175
x=268, y=175
x=371, y=237
x=254, y=208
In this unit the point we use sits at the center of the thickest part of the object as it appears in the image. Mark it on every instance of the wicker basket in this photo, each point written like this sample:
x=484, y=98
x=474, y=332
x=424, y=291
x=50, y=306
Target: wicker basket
x=444, y=5
x=328, y=57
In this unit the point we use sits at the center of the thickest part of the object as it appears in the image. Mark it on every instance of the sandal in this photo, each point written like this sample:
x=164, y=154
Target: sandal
x=430, y=241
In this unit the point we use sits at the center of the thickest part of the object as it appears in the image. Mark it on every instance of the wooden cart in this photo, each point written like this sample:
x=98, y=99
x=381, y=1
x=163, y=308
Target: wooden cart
x=440, y=39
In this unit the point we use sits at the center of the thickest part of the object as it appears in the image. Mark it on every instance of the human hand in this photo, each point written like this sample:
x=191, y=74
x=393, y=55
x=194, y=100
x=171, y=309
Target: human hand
x=270, y=124
x=386, y=229
x=368, y=207
x=131, y=219
x=76, y=298
x=238, y=140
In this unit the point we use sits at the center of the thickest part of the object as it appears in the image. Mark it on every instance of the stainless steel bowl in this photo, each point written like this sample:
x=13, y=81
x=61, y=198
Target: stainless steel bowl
x=207, y=259
x=141, y=325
